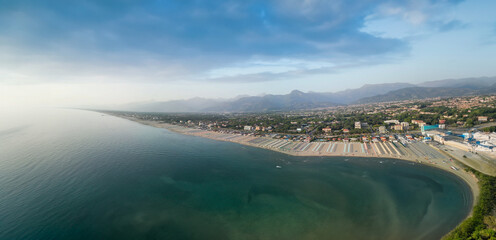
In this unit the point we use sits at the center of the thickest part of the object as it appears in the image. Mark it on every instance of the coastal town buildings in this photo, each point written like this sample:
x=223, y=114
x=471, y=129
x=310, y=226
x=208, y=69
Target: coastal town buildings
x=401, y=121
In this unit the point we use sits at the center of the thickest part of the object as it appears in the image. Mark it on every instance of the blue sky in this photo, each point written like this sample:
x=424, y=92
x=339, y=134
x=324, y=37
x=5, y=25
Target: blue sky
x=111, y=52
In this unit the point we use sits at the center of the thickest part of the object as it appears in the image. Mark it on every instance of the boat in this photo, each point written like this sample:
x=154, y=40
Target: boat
x=278, y=166
x=454, y=168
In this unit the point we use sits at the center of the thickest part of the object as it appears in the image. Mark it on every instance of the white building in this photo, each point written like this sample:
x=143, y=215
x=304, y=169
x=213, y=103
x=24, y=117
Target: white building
x=482, y=118
x=438, y=138
x=248, y=128
x=487, y=137
x=396, y=122
x=360, y=125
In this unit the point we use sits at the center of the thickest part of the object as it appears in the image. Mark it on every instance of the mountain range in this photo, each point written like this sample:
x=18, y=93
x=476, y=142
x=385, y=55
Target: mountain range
x=297, y=100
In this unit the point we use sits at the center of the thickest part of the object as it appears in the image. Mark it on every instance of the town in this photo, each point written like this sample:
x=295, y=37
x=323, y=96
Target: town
x=460, y=128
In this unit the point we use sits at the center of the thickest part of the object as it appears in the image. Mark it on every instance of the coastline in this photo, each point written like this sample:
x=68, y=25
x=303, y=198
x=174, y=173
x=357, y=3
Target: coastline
x=320, y=150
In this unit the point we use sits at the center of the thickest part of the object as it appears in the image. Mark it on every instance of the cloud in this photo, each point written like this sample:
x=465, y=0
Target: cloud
x=407, y=19
x=266, y=66
x=257, y=71
x=157, y=40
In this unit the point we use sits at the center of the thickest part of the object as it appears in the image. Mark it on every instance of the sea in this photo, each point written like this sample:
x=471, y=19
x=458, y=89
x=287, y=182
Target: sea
x=77, y=174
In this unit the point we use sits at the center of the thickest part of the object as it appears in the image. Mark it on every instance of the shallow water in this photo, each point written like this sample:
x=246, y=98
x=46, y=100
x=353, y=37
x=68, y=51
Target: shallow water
x=71, y=174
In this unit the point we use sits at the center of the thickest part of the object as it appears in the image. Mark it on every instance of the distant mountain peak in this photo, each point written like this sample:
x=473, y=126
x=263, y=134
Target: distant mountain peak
x=296, y=92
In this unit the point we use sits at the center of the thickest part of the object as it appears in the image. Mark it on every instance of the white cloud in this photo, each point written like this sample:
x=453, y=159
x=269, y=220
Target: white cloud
x=263, y=66
x=414, y=19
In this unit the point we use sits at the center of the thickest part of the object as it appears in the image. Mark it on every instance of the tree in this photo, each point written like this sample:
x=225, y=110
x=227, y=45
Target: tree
x=469, y=122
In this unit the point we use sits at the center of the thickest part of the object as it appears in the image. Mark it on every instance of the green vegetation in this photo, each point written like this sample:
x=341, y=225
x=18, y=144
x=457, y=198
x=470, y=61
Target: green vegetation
x=489, y=129
x=482, y=223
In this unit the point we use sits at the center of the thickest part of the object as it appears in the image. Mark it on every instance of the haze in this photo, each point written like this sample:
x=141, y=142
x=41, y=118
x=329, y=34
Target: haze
x=92, y=53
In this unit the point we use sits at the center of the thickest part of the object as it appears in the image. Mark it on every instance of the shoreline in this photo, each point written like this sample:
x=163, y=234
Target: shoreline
x=319, y=150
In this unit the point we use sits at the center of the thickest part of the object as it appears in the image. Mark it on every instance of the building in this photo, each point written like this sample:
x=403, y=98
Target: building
x=482, y=118
x=405, y=125
x=392, y=122
x=428, y=128
x=481, y=136
x=345, y=130
x=418, y=122
x=327, y=129
x=248, y=128
x=382, y=129
x=398, y=127
x=430, y=133
x=438, y=138
x=360, y=125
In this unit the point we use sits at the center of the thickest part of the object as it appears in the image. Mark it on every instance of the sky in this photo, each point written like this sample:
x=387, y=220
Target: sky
x=111, y=52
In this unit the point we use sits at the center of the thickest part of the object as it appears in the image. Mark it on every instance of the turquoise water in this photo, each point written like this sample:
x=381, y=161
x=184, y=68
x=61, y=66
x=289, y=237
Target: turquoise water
x=70, y=174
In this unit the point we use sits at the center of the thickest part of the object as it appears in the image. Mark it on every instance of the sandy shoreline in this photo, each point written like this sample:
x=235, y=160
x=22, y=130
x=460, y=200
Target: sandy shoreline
x=419, y=152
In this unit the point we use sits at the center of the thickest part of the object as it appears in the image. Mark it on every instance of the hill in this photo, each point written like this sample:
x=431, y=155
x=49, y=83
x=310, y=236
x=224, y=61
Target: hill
x=412, y=93
x=297, y=100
